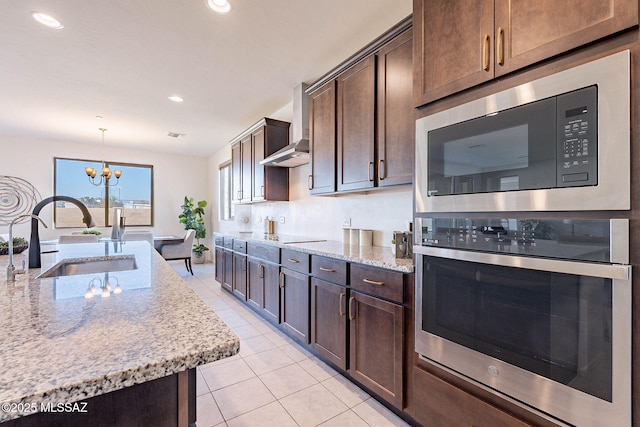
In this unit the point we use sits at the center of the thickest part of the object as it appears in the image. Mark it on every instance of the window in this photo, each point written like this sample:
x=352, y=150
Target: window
x=134, y=193
x=226, y=207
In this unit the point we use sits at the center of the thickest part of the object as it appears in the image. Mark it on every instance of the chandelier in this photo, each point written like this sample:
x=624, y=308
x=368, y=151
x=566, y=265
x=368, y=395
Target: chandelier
x=106, y=172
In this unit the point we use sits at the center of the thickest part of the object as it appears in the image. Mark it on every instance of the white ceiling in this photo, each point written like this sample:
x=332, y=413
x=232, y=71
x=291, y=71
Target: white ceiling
x=121, y=59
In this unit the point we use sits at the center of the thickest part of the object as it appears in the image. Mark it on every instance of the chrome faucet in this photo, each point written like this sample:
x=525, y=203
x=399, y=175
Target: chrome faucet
x=12, y=271
x=34, y=244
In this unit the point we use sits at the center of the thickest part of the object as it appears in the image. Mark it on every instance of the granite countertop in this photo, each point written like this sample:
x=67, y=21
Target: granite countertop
x=376, y=256
x=57, y=346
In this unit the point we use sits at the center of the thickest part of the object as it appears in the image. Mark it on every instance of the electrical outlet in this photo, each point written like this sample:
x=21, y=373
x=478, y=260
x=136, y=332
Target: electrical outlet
x=259, y=219
x=281, y=220
x=346, y=222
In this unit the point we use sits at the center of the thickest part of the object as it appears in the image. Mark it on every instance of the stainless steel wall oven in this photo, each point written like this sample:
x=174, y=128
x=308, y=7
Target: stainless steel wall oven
x=537, y=310
x=531, y=306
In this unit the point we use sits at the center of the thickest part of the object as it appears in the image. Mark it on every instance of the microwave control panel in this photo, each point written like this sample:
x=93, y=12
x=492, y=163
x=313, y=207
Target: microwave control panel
x=577, y=138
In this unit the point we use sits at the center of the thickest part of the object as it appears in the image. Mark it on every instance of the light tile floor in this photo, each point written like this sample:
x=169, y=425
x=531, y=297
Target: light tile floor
x=272, y=381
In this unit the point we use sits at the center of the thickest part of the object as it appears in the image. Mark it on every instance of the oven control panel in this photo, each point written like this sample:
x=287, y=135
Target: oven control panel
x=586, y=240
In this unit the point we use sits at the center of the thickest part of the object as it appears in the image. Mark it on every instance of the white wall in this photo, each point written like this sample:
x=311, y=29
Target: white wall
x=382, y=211
x=174, y=176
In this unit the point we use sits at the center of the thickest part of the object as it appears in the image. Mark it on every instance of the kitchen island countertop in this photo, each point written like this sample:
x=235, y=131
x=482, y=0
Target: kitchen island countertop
x=56, y=346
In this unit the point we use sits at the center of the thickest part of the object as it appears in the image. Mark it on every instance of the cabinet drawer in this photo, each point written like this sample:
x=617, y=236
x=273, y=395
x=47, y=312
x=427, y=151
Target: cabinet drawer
x=227, y=242
x=295, y=260
x=438, y=403
x=266, y=252
x=240, y=246
x=377, y=281
x=331, y=270
x=218, y=241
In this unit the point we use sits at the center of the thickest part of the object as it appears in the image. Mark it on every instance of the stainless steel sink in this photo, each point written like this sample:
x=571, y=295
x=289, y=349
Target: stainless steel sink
x=104, y=264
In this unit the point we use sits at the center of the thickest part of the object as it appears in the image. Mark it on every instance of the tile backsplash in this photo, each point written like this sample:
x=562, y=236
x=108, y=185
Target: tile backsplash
x=382, y=211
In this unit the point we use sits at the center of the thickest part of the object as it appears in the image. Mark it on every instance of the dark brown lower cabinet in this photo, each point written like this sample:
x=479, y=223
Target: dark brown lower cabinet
x=294, y=303
x=440, y=404
x=329, y=321
x=164, y=402
x=376, y=344
x=255, y=283
x=240, y=276
x=263, y=290
x=227, y=275
x=271, y=279
x=219, y=260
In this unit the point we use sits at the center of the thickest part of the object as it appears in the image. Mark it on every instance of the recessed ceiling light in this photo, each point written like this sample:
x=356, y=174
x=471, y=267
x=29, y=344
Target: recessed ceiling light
x=219, y=6
x=176, y=98
x=47, y=20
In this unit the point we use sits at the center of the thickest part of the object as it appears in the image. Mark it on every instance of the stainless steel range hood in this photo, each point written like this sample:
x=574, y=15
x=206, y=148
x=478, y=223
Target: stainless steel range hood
x=296, y=153
x=292, y=155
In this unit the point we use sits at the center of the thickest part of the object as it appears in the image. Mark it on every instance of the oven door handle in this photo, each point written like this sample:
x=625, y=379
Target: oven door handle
x=580, y=268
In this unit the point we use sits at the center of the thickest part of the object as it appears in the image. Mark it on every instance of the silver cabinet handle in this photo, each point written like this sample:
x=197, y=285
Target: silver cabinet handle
x=295, y=261
x=328, y=270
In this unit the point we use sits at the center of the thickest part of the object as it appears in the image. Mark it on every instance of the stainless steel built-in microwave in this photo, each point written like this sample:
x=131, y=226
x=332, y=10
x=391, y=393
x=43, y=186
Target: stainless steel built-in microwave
x=559, y=143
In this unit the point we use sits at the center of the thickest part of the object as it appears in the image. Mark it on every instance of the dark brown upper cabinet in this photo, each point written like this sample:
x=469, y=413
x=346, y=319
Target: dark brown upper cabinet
x=322, y=148
x=362, y=118
x=253, y=182
x=395, y=113
x=356, y=126
x=459, y=44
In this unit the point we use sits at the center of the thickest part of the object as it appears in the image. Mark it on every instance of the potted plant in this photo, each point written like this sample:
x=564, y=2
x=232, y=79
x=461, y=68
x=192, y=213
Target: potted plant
x=19, y=245
x=92, y=231
x=191, y=217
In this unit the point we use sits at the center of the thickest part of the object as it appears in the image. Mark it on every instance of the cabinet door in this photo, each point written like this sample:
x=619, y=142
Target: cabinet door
x=227, y=282
x=376, y=345
x=530, y=31
x=247, y=169
x=356, y=100
x=240, y=276
x=271, y=306
x=294, y=303
x=440, y=404
x=453, y=42
x=396, y=121
x=275, y=184
x=255, y=283
x=219, y=255
x=329, y=321
x=322, y=149
x=258, y=170
x=236, y=173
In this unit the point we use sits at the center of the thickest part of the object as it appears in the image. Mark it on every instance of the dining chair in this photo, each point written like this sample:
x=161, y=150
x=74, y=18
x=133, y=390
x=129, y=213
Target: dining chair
x=138, y=235
x=78, y=238
x=180, y=250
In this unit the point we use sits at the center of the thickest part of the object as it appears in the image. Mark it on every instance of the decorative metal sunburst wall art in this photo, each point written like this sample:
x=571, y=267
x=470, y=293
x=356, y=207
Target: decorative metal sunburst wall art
x=17, y=197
